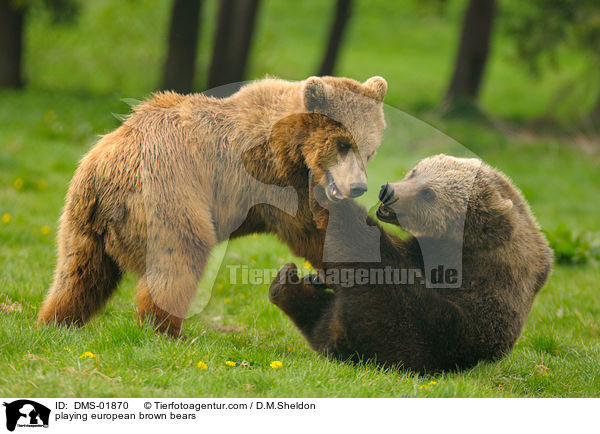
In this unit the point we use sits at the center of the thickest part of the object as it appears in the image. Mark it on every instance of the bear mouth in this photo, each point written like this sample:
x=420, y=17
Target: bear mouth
x=386, y=214
x=333, y=192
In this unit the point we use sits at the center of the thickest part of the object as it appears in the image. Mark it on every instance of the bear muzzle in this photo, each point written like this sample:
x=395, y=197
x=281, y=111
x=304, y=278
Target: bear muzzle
x=388, y=197
x=334, y=193
x=386, y=194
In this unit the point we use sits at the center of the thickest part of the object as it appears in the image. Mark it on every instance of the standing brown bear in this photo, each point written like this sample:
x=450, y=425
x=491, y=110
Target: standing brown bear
x=185, y=172
x=453, y=207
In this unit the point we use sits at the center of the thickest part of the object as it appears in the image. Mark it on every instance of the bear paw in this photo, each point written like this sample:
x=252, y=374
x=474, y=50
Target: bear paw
x=287, y=275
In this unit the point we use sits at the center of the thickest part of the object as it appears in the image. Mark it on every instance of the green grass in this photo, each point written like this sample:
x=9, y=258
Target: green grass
x=78, y=76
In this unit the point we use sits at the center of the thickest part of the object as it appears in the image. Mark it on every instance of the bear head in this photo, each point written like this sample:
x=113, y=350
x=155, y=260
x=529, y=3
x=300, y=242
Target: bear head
x=460, y=199
x=346, y=124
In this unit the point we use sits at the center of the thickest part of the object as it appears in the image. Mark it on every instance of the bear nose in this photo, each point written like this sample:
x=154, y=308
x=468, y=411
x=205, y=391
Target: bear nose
x=386, y=193
x=357, y=188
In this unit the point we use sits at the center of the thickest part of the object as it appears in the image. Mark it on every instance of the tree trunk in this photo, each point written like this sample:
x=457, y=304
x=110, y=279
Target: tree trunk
x=343, y=11
x=595, y=113
x=11, y=44
x=180, y=65
x=473, y=51
x=233, y=38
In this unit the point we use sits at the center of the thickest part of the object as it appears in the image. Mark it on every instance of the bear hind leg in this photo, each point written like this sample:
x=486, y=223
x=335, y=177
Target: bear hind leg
x=85, y=278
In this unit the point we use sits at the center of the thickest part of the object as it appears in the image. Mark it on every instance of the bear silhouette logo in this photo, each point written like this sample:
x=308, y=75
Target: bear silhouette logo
x=26, y=413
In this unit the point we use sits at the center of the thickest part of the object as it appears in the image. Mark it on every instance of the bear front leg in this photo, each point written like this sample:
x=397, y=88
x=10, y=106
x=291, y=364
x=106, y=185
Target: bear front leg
x=179, y=246
x=165, y=291
x=164, y=297
x=303, y=300
x=164, y=322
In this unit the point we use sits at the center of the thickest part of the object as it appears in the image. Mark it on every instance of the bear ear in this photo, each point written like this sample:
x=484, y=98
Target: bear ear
x=378, y=85
x=499, y=206
x=315, y=94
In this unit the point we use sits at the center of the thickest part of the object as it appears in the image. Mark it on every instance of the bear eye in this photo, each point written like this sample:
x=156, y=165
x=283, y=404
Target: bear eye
x=344, y=146
x=427, y=194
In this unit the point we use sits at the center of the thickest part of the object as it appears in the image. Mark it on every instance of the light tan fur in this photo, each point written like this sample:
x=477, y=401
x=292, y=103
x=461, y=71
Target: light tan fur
x=180, y=175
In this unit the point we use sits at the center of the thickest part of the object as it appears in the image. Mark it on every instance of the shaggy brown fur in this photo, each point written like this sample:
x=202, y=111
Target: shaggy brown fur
x=505, y=262
x=183, y=172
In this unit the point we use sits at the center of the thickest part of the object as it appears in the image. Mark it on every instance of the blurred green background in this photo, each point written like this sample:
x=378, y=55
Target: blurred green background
x=120, y=47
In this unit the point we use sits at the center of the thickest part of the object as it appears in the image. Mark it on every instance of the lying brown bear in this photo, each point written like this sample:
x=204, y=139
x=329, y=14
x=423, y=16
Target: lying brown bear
x=477, y=315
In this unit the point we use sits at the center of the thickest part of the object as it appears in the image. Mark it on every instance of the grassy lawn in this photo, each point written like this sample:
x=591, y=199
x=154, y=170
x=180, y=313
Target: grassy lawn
x=78, y=76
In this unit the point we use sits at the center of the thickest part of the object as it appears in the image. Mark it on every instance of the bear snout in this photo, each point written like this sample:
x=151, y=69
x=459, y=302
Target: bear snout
x=357, y=189
x=386, y=194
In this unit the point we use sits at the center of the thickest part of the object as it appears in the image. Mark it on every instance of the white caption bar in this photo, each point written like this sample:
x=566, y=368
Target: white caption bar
x=249, y=415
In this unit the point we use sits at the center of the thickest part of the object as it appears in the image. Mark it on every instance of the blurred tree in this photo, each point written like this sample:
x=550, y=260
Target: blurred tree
x=233, y=39
x=343, y=11
x=180, y=64
x=595, y=113
x=13, y=15
x=473, y=51
x=541, y=27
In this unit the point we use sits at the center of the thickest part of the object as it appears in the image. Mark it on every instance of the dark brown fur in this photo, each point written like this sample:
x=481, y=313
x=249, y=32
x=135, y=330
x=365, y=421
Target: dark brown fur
x=505, y=262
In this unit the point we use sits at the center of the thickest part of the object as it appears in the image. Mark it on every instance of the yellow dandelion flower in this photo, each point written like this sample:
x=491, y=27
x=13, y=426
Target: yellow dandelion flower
x=202, y=365
x=227, y=301
x=46, y=230
x=289, y=348
x=230, y=363
x=545, y=374
x=432, y=383
x=88, y=355
x=276, y=364
x=421, y=387
x=50, y=116
x=254, y=235
x=308, y=265
x=18, y=183
x=6, y=218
